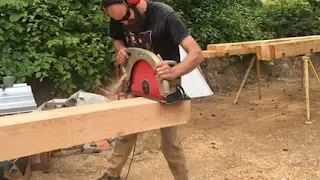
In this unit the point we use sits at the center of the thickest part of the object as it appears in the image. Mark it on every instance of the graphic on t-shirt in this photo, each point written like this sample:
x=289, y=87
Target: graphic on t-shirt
x=140, y=40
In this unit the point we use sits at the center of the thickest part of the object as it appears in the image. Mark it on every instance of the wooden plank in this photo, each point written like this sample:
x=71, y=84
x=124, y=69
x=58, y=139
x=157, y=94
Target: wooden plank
x=212, y=54
x=264, y=52
x=288, y=49
x=209, y=54
x=233, y=48
x=251, y=44
x=27, y=134
x=228, y=51
x=248, y=47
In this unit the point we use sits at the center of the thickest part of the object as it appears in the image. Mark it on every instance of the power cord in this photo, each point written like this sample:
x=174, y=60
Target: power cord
x=134, y=149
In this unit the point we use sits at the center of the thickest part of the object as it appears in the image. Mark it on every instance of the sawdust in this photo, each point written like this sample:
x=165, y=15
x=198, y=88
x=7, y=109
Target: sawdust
x=255, y=139
x=114, y=87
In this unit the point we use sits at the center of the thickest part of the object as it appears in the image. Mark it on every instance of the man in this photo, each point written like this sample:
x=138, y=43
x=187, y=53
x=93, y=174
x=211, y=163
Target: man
x=156, y=27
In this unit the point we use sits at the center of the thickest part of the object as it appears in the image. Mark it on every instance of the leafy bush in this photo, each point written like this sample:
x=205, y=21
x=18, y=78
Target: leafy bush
x=62, y=40
x=290, y=18
x=218, y=21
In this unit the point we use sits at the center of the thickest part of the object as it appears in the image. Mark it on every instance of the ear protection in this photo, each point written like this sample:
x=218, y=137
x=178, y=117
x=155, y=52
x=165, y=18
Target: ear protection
x=131, y=2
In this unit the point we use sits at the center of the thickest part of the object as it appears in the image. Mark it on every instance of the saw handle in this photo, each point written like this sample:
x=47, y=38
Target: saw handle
x=123, y=69
x=166, y=83
x=171, y=63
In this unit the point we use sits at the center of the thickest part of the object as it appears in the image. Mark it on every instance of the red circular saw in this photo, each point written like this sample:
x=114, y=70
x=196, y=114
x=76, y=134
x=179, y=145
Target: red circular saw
x=141, y=78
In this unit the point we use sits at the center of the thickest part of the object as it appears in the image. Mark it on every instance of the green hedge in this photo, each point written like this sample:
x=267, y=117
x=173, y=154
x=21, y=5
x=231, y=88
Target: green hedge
x=62, y=40
x=65, y=41
x=288, y=18
x=220, y=21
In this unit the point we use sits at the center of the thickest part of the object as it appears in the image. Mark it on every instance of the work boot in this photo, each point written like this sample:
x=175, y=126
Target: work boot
x=107, y=177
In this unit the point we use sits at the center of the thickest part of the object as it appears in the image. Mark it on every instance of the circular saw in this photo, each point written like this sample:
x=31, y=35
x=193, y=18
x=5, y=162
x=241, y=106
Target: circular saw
x=141, y=81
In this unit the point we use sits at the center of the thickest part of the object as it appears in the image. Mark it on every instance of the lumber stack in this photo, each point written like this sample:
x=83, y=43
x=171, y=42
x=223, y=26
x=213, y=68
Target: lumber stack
x=266, y=49
x=26, y=134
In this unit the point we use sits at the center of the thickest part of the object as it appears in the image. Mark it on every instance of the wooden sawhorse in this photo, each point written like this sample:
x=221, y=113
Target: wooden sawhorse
x=272, y=50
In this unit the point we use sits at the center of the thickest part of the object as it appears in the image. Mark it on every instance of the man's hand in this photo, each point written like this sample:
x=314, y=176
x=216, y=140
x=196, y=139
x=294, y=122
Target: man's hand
x=164, y=71
x=122, y=56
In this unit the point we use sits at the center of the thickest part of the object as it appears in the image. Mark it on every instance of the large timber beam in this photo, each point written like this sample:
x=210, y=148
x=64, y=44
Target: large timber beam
x=27, y=134
x=249, y=47
x=288, y=49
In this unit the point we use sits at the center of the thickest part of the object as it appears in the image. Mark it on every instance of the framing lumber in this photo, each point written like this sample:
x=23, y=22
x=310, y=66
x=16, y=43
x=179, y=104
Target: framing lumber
x=209, y=54
x=272, y=49
x=32, y=133
x=288, y=49
x=250, y=47
x=252, y=44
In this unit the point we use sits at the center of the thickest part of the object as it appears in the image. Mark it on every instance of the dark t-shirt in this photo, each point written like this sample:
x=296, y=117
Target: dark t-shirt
x=164, y=32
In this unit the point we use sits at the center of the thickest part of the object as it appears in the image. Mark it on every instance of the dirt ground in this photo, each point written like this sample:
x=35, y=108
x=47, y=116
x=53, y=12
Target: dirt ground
x=255, y=139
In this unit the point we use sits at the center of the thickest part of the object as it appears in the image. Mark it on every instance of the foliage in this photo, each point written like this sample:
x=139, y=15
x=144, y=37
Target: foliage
x=220, y=21
x=315, y=4
x=62, y=40
x=289, y=18
x=217, y=21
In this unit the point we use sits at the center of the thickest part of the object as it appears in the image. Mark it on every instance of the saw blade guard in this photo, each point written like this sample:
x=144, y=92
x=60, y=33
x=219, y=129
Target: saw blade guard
x=136, y=54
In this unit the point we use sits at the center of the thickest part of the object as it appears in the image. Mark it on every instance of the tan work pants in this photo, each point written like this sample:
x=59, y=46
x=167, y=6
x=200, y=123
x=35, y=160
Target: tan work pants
x=170, y=147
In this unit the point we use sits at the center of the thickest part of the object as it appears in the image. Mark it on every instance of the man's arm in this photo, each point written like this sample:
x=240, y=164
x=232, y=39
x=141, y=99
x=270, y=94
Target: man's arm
x=193, y=59
x=120, y=48
x=178, y=33
x=117, y=35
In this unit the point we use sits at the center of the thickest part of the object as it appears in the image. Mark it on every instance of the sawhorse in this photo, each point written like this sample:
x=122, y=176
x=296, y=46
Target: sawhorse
x=305, y=64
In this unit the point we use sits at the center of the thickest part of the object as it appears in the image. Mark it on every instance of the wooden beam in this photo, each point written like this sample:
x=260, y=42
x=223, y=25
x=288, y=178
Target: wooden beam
x=247, y=47
x=233, y=48
x=27, y=134
x=209, y=54
x=288, y=49
x=252, y=44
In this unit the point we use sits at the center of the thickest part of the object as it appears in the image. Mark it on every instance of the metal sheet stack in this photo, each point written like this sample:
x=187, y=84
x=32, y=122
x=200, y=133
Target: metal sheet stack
x=17, y=99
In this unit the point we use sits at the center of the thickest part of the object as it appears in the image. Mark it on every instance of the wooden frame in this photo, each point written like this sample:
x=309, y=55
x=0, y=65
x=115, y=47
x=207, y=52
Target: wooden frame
x=272, y=49
x=32, y=133
x=264, y=47
x=288, y=49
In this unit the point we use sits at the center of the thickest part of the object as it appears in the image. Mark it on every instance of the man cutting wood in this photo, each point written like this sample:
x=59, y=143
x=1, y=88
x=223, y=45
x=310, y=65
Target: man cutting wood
x=156, y=27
